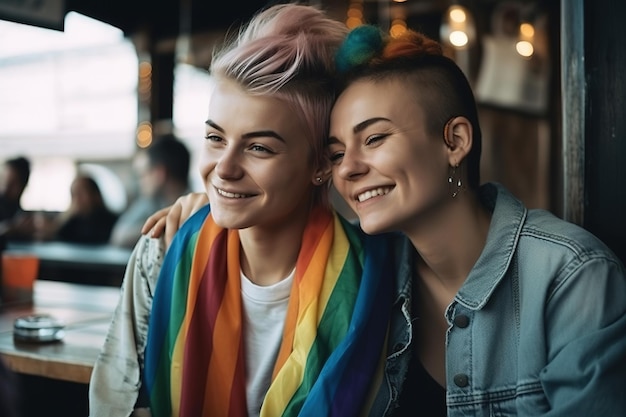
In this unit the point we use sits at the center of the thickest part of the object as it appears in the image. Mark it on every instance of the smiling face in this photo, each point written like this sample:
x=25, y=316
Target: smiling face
x=385, y=164
x=255, y=162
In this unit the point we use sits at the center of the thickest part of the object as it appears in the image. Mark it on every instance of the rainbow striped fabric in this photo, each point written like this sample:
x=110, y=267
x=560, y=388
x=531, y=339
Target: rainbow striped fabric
x=334, y=332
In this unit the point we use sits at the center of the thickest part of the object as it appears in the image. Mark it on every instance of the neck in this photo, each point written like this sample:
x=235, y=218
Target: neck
x=269, y=254
x=449, y=243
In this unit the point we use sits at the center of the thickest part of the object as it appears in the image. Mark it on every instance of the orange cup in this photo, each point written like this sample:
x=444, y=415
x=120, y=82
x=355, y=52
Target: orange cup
x=19, y=272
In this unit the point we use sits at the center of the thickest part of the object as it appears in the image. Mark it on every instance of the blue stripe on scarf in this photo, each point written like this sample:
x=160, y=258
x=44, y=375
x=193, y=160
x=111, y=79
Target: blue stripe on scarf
x=357, y=355
x=160, y=316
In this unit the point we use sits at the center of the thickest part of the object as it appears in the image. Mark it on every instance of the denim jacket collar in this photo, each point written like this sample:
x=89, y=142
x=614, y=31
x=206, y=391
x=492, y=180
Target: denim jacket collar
x=508, y=215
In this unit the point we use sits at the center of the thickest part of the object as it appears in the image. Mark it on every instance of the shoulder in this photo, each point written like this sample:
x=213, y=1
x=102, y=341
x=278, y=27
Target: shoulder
x=537, y=232
x=549, y=231
x=146, y=260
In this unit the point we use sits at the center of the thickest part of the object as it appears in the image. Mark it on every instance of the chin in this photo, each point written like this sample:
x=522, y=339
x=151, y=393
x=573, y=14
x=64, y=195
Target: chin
x=372, y=227
x=228, y=222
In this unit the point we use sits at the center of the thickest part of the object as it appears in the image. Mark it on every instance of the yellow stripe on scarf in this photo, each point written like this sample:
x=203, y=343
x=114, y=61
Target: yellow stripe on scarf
x=311, y=297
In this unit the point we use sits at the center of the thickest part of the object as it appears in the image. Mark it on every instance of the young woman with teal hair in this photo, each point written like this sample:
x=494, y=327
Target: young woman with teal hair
x=516, y=312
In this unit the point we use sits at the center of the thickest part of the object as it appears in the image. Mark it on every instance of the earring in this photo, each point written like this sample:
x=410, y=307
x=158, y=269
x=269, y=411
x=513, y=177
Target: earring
x=319, y=180
x=454, y=184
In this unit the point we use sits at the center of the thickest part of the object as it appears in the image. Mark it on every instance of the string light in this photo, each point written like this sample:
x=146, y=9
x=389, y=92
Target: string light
x=524, y=45
x=354, y=14
x=458, y=27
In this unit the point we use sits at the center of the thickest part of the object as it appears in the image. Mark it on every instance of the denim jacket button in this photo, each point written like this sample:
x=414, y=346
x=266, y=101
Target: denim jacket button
x=461, y=380
x=461, y=321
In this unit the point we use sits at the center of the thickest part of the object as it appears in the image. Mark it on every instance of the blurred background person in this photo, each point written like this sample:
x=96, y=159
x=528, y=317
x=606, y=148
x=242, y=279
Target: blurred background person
x=87, y=220
x=15, y=223
x=162, y=172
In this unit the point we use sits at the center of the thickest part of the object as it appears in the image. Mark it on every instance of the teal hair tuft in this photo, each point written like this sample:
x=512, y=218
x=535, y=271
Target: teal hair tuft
x=362, y=44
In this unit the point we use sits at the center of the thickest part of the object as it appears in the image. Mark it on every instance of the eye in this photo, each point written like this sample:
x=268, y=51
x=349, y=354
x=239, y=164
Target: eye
x=213, y=138
x=335, y=153
x=373, y=139
x=260, y=148
x=335, y=157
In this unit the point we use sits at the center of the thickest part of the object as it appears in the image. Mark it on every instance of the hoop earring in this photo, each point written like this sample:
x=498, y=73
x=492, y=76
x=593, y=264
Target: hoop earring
x=455, y=185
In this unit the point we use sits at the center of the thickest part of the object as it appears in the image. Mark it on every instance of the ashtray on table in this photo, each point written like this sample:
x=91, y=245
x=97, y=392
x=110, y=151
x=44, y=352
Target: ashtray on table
x=39, y=328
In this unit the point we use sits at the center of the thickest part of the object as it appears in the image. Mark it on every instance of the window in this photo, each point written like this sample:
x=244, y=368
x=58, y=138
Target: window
x=66, y=97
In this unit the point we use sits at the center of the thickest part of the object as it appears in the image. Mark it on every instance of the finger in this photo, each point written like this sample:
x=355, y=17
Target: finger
x=172, y=223
x=153, y=219
x=158, y=229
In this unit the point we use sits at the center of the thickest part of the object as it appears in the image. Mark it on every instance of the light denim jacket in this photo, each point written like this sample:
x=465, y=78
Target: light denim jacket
x=537, y=329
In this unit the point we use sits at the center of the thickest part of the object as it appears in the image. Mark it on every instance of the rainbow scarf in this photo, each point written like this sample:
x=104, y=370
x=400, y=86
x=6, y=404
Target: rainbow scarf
x=334, y=332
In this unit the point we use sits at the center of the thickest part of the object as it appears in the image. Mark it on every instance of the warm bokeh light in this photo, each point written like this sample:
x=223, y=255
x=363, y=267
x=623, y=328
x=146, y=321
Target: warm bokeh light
x=353, y=22
x=457, y=14
x=398, y=27
x=458, y=38
x=457, y=28
x=525, y=48
x=354, y=15
x=355, y=12
x=144, y=134
x=526, y=30
x=144, y=86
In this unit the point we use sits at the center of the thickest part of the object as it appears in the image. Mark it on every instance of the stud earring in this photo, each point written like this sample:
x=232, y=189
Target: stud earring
x=319, y=180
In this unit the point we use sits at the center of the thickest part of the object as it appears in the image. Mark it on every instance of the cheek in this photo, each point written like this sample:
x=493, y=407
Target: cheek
x=206, y=162
x=339, y=184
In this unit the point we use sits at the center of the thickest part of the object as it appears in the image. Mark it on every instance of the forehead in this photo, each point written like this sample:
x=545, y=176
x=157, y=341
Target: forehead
x=238, y=112
x=366, y=99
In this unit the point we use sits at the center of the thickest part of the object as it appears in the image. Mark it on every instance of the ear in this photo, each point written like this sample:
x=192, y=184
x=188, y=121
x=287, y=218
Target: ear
x=458, y=138
x=323, y=173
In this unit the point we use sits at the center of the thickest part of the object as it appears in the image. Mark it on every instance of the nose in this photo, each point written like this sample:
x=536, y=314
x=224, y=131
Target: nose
x=229, y=164
x=352, y=165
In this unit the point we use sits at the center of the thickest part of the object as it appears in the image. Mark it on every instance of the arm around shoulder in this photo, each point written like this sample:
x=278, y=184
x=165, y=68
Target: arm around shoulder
x=117, y=374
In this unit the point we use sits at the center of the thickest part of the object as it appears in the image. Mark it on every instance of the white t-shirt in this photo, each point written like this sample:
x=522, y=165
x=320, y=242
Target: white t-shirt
x=264, y=312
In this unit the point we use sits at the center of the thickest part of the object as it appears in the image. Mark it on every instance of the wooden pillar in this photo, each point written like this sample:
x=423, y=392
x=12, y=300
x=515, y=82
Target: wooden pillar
x=605, y=126
x=594, y=121
x=162, y=95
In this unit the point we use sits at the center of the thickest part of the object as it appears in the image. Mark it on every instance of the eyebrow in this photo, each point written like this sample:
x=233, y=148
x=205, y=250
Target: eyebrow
x=360, y=127
x=214, y=125
x=250, y=135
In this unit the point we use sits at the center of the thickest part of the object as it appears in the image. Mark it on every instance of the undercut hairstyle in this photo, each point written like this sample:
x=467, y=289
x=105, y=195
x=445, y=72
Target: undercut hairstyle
x=438, y=84
x=287, y=51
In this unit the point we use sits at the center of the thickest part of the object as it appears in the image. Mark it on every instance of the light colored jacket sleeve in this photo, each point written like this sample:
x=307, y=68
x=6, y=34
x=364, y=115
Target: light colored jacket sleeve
x=117, y=374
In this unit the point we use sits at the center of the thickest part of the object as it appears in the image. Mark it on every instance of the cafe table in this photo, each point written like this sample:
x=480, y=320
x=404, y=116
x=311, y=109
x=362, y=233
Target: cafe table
x=74, y=262
x=86, y=311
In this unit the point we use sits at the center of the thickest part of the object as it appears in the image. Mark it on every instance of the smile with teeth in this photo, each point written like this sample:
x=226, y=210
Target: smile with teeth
x=231, y=195
x=373, y=193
